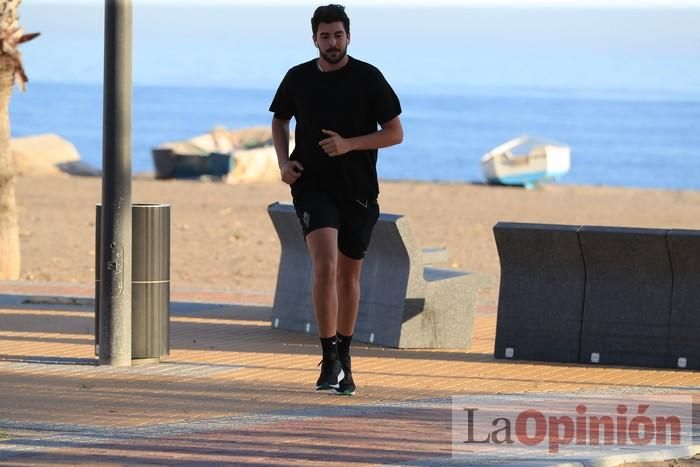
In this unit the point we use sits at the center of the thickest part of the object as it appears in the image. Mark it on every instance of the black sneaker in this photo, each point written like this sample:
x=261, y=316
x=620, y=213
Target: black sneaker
x=346, y=387
x=331, y=375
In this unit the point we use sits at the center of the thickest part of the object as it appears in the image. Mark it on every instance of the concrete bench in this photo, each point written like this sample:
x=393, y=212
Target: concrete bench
x=403, y=303
x=627, y=302
x=541, y=292
x=684, y=322
x=612, y=295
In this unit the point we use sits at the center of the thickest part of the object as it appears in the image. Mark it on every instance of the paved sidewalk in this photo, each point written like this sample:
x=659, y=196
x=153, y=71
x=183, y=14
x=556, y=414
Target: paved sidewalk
x=236, y=391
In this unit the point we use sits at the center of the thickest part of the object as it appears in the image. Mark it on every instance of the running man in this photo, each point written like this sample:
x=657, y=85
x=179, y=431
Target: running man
x=344, y=112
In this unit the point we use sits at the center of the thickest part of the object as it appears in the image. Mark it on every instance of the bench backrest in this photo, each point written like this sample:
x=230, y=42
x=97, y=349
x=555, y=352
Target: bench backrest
x=684, y=323
x=540, y=301
x=628, y=296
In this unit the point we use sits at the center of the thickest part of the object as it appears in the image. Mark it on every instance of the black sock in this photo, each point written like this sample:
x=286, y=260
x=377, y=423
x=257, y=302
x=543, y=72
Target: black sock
x=343, y=345
x=330, y=348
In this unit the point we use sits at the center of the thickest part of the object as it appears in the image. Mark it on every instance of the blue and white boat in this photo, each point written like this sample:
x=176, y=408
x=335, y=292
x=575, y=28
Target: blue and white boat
x=526, y=161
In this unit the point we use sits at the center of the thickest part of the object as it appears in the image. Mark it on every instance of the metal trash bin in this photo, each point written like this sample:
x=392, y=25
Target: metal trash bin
x=150, y=292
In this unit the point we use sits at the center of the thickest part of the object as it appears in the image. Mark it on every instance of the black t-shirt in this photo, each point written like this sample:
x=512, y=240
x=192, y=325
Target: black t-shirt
x=350, y=101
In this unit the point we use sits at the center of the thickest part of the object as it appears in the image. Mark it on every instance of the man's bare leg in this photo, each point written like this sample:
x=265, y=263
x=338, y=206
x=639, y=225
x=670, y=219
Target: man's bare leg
x=323, y=248
x=348, y=305
x=348, y=284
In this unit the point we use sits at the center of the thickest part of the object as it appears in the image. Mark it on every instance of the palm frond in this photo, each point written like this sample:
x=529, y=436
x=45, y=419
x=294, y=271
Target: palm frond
x=11, y=36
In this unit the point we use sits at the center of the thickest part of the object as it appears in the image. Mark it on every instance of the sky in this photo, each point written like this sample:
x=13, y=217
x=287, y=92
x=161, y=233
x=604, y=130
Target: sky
x=444, y=46
x=417, y=3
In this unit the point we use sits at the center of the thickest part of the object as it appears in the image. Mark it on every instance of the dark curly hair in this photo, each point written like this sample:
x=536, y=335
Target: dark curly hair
x=330, y=14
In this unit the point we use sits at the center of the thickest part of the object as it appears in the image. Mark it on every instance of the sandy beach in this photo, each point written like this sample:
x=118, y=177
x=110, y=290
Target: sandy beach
x=222, y=237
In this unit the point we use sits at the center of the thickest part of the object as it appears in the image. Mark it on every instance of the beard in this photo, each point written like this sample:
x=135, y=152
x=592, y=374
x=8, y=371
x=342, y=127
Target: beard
x=334, y=56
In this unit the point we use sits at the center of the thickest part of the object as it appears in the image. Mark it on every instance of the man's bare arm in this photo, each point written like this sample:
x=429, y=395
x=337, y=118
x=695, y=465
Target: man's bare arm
x=290, y=171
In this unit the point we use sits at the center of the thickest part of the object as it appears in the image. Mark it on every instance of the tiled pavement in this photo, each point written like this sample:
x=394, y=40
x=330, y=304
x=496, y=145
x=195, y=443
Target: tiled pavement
x=233, y=390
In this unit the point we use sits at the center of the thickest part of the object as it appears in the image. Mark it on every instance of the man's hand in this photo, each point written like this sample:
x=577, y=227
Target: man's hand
x=335, y=145
x=291, y=171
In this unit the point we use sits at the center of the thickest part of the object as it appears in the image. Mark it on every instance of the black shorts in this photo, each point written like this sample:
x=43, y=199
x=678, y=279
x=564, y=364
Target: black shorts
x=353, y=219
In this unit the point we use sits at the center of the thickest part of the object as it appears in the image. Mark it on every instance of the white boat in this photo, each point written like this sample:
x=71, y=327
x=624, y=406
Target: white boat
x=526, y=161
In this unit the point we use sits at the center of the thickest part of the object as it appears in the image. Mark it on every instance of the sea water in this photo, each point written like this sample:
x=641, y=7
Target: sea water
x=620, y=87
